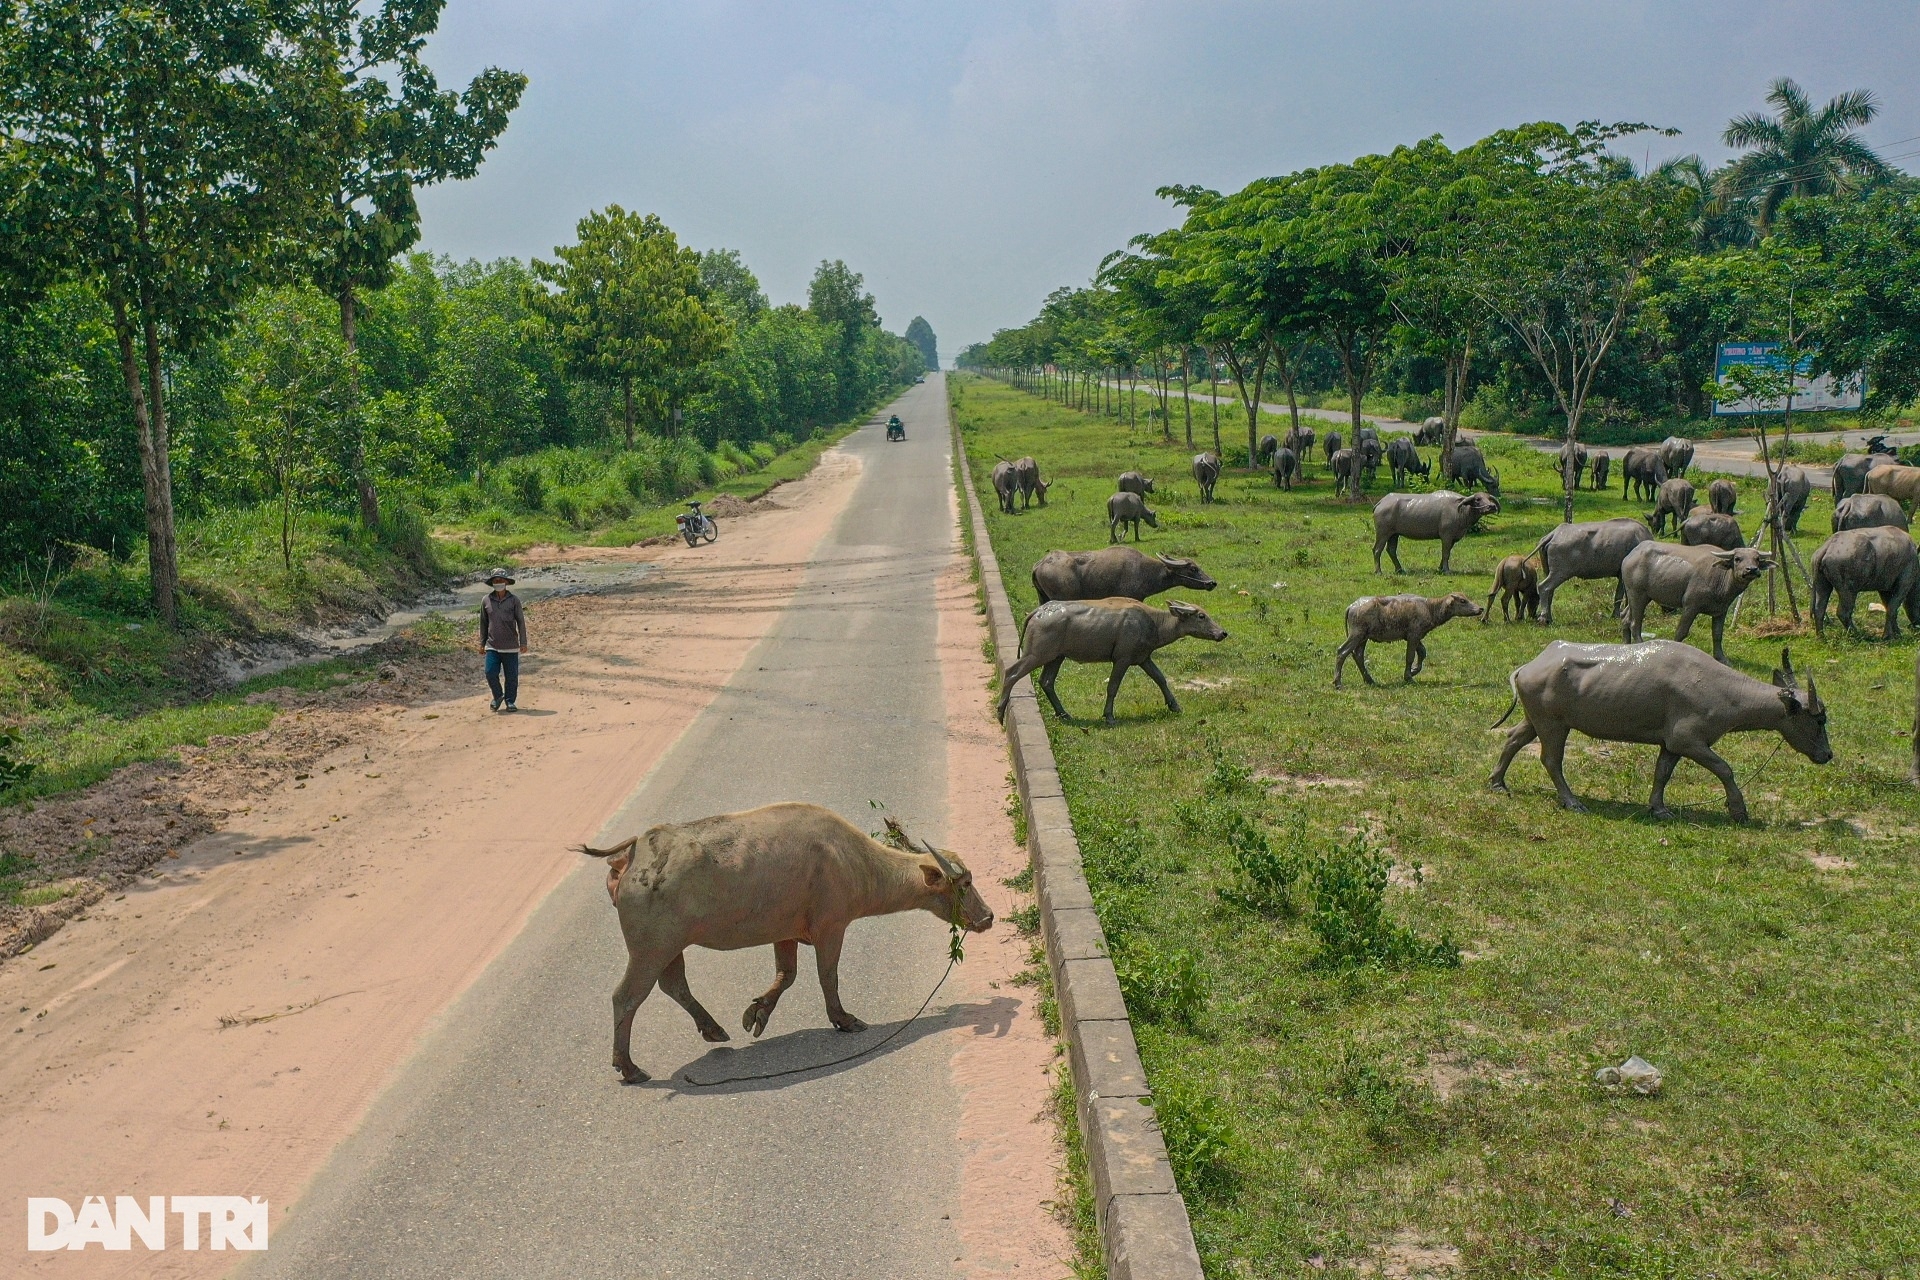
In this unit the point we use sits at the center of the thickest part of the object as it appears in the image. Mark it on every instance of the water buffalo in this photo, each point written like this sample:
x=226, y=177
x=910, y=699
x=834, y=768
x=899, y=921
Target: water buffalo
x=1026, y=473
x=1381, y=619
x=1431, y=432
x=1346, y=472
x=1405, y=460
x=1206, y=473
x=1127, y=509
x=1134, y=482
x=776, y=876
x=1676, y=455
x=1788, y=492
x=1642, y=472
x=1123, y=632
x=1286, y=468
x=1114, y=571
x=1675, y=499
x=1902, y=484
x=1332, y=444
x=1300, y=440
x=1591, y=550
x=1850, y=473
x=1856, y=560
x=1689, y=580
x=1467, y=466
x=1705, y=528
x=1442, y=514
x=1369, y=452
x=1722, y=495
x=1602, y=464
x=1867, y=511
x=1264, y=453
x=1518, y=588
x=1575, y=452
x=1659, y=693
x=1005, y=486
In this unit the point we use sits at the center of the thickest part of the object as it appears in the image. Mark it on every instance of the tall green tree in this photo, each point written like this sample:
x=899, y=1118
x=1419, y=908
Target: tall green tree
x=920, y=334
x=627, y=307
x=733, y=286
x=1565, y=231
x=838, y=299
x=402, y=132
x=170, y=147
x=1801, y=151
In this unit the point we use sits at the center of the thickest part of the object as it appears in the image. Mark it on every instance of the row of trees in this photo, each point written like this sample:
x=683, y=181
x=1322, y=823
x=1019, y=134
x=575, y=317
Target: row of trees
x=207, y=295
x=1538, y=260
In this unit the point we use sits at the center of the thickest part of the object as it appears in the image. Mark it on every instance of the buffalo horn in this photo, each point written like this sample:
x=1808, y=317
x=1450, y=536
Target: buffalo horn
x=947, y=869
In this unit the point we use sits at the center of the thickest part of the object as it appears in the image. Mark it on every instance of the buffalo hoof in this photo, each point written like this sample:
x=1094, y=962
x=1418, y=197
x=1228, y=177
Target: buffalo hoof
x=1661, y=812
x=630, y=1074
x=1573, y=806
x=714, y=1034
x=755, y=1018
x=847, y=1022
x=1495, y=784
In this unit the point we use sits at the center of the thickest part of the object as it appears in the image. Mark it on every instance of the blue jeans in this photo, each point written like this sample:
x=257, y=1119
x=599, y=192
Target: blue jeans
x=498, y=662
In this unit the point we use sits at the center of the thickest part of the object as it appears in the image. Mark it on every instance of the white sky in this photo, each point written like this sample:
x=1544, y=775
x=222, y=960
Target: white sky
x=968, y=158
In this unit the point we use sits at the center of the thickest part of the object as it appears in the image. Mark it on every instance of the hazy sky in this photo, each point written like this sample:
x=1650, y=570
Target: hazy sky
x=970, y=157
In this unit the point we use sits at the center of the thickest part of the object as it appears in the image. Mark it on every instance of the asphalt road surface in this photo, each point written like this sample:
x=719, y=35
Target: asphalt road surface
x=506, y=1146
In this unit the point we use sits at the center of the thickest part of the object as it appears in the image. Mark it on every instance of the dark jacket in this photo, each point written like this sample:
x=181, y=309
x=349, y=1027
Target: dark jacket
x=503, y=623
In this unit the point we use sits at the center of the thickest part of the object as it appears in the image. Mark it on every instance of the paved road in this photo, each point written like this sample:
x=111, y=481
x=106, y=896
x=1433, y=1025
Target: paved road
x=507, y=1148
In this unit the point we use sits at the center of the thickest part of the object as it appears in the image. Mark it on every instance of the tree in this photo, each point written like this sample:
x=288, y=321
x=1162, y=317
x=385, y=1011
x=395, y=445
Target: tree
x=1565, y=232
x=627, y=308
x=1715, y=218
x=391, y=143
x=171, y=147
x=837, y=298
x=1868, y=255
x=732, y=286
x=920, y=334
x=288, y=396
x=1799, y=151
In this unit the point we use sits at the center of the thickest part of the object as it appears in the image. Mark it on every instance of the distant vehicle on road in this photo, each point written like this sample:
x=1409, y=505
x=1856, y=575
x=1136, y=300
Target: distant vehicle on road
x=697, y=526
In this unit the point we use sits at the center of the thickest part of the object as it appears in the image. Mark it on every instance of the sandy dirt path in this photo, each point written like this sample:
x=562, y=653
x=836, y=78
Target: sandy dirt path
x=340, y=915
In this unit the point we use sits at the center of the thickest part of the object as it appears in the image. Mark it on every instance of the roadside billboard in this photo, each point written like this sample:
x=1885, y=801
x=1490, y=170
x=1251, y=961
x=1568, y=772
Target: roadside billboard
x=1810, y=394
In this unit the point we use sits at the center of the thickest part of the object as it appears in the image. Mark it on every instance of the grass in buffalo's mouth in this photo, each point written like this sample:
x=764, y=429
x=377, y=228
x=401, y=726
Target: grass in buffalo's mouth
x=1400, y=1072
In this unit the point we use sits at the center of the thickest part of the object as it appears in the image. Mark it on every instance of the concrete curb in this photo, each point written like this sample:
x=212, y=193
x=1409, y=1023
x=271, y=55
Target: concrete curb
x=1144, y=1229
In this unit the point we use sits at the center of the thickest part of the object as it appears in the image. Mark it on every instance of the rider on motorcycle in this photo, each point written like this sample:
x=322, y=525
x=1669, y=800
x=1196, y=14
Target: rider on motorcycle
x=896, y=428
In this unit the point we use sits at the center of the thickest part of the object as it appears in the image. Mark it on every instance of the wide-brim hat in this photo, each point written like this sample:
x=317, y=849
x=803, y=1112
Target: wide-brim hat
x=499, y=575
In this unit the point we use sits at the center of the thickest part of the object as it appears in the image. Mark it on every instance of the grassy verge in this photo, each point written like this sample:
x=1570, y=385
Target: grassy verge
x=1358, y=1062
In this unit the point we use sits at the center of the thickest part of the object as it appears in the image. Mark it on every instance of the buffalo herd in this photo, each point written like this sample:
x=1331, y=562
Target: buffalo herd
x=1666, y=693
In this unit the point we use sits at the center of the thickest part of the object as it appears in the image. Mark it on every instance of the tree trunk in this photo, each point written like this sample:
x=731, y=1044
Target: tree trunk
x=163, y=563
x=1214, y=382
x=362, y=477
x=1567, y=471
x=1253, y=409
x=626, y=390
x=1186, y=389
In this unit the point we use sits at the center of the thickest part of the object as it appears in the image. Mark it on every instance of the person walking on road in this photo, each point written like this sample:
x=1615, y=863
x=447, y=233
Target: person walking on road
x=503, y=638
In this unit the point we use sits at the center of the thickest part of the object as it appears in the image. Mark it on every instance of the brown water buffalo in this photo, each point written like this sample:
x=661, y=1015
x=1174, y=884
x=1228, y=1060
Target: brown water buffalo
x=1518, y=587
x=1300, y=440
x=1026, y=473
x=1858, y=560
x=1675, y=499
x=1642, y=472
x=1788, y=492
x=1660, y=693
x=1689, y=580
x=1206, y=473
x=1005, y=485
x=1114, y=571
x=1902, y=484
x=1135, y=482
x=1127, y=509
x=1383, y=619
x=1602, y=464
x=1705, y=528
x=1589, y=550
x=1443, y=515
x=776, y=876
x=1868, y=510
x=1722, y=495
x=1125, y=633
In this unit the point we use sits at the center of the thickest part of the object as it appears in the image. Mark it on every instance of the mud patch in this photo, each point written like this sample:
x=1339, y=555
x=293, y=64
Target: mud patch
x=1831, y=862
x=1200, y=684
x=1411, y=1257
x=1307, y=782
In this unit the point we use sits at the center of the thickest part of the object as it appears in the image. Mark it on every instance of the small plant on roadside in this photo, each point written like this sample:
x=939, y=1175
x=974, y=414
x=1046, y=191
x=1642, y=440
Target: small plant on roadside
x=1350, y=918
x=13, y=770
x=1198, y=1129
x=1392, y=1108
x=1026, y=921
x=1164, y=987
x=1266, y=876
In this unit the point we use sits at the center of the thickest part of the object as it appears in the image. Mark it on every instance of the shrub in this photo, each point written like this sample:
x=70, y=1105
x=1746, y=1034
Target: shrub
x=13, y=771
x=566, y=505
x=1266, y=876
x=1391, y=1108
x=1350, y=917
x=525, y=483
x=1165, y=987
x=1198, y=1129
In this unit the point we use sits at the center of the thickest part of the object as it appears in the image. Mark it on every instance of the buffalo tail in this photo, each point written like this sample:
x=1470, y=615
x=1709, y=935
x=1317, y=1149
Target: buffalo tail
x=1511, y=705
x=625, y=846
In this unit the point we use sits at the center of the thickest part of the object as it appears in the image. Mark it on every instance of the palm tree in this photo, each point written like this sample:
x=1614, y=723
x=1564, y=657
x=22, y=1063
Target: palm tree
x=1714, y=221
x=1800, y=151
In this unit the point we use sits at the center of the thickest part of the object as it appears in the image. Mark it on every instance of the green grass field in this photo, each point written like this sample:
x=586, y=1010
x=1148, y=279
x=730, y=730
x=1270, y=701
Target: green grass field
x=1343, y=1088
